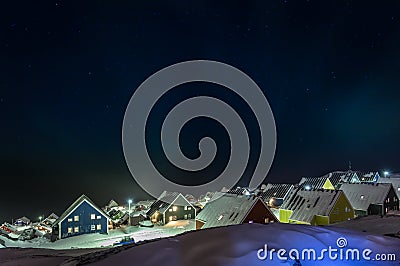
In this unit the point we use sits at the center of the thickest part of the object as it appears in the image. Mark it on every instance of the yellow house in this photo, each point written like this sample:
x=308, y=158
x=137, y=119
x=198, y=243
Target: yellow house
x=316, y=207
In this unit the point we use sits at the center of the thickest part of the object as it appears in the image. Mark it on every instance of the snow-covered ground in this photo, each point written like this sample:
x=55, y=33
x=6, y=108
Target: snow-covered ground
x=232, y=245
x=100, y=240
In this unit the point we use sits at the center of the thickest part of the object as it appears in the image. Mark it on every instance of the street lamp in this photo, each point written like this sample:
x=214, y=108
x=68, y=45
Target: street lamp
x=129, y=204
x=40, y=219
x=386, y=173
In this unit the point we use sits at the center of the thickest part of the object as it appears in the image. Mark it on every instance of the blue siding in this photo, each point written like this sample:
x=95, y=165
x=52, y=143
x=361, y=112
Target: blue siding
x=84, y=211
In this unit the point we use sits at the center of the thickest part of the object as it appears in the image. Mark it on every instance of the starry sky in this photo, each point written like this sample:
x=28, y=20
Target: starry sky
x=329, y=69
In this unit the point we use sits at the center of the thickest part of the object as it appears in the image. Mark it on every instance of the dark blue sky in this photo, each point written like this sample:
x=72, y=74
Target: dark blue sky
x=330, y=71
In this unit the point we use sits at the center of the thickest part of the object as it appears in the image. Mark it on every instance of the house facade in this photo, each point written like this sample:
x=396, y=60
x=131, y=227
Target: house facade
x=231, y=209
x=371, y=198
x=82, y=217
x=275, y=194
x=395, y=181
x=171, y=206
x=316, y=207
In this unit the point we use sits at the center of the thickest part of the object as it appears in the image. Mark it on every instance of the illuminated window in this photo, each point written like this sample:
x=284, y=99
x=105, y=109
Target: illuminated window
x=76, y=229
x=69, y=219
x=189, y=208
x=93, y=216
x=398, y=189
x=92, y=227
x=70, y=229
x=98, y=227
x=76, y=218
x=220, y=217
x=174, y=208
x=185, y=208
x=362, y=197
x=170, y=210
x=98, y=217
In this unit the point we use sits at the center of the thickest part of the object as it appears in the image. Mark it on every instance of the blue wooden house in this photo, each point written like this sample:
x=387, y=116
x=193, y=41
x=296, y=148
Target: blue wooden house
x=82, y=217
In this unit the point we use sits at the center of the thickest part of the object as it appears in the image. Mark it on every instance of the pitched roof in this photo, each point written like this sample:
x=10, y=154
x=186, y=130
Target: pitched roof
x=76, y=203
x=313, y=182
x=278, y=191
x=239, y=191
x=362, y=195
x=340, y=177
x=367, y=176
x=395, y=181
x=164, y=201
x=227, y=209
x=305, y=204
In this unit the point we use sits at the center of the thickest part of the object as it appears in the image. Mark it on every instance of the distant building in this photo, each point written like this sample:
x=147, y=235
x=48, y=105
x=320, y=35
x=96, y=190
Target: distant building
x=369, y=199
x=316, y=207
x=82, y=217
x=23, y=221
x=230, y=209
x=171, y=206
x=275, y=194
x=368, y=177
x=331, y=180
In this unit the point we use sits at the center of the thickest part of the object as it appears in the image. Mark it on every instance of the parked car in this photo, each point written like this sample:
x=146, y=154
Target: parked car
x=126, y=240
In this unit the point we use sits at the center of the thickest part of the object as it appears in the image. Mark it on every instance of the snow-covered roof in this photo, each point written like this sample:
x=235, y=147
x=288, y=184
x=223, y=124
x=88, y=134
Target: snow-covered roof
x=370, y=176
x=362, y=195
x=76, y=203
x=305, y=204
x=165, y=200
x=227, y=209
x=395, y=181
x=277, y=191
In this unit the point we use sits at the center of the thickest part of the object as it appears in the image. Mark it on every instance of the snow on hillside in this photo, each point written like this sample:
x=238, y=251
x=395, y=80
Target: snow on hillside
x=233, y=245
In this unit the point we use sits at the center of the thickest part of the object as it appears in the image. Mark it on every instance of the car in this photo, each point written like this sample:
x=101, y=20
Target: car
x=126, y=240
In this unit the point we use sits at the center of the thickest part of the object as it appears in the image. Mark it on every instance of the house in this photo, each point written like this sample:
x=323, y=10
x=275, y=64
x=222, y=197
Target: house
x=23, y=221
x=136, y=218
x=171, y=206
x=316, y=207
x=82, y=217
x=50, y=220
x=368, y=177
x=394, y=180
x=275, y=194
x=331, y=180
x=371, y=198
x=230, y=209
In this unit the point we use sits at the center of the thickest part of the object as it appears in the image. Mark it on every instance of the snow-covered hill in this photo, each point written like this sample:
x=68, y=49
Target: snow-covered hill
x=233, y=245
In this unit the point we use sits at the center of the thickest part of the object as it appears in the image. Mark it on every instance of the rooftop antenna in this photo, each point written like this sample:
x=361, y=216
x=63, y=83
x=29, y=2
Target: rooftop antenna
x=349, y=165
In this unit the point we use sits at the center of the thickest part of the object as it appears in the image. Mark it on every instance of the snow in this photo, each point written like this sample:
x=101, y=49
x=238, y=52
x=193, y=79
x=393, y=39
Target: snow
x=232, y=245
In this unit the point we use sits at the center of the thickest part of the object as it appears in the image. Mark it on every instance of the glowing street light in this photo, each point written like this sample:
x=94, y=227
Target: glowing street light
x=386, y=173
x=307, y=187
x=129, y=203
x=40, y=219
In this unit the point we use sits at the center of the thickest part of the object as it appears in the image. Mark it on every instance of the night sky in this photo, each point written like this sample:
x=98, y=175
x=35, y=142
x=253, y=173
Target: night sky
x=330, y=71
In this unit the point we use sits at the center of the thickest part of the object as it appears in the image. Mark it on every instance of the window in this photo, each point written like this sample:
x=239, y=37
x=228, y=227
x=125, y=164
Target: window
x=185, y=208
x=362, y=197
x=92, y=227
x=189, y=208
x=174, y=208
x=98, y=227
x=170, y=210
x=220, y=217
x=93, y=216
x=69, y=229
x=76, y=218
x=69, y=219
x=398, y=189
x=185, y=216
x=346, y=209
x=190, y=216
x=98, y=217
x=76, y=229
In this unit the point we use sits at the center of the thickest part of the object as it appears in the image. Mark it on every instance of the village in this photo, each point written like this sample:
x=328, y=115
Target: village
x=336, y=197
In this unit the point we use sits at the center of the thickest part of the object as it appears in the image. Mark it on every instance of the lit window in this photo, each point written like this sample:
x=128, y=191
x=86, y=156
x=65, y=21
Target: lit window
x=76, y=229
x=220, y=217
x=362, y=197
x=69, y=219
x=174, y=208
x=185, y=208
x=76, y=218
x=398, y=189
x=93, y=216
x=92, y=227
x=98, y=217
x=99, y=227
x=189, y=208
x=170, y=210
x=70, y=229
